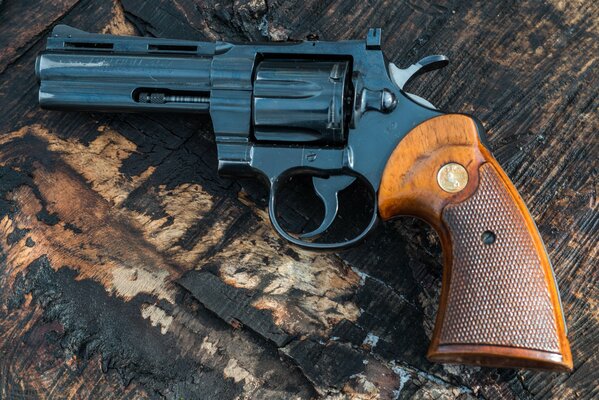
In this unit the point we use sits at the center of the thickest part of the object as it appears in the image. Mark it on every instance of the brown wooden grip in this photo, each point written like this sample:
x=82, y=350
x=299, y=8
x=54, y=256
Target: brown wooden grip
x=499, y=303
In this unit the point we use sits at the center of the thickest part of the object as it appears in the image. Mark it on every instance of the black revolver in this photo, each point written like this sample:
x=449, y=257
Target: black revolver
x=337, y=112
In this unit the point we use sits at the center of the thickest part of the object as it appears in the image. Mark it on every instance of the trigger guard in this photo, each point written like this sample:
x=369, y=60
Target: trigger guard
x=311, y=245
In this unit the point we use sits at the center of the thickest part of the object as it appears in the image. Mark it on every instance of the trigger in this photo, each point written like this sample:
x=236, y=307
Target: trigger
x=327, y=189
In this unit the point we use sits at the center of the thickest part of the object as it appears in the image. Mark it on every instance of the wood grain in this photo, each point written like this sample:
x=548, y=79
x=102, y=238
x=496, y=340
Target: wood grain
x=496, y=321
x=411, y=172
x=70, y=329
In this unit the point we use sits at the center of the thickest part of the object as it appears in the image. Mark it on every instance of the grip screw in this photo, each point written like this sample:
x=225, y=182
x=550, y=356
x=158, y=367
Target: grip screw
x=488, y=237
x=452, y=177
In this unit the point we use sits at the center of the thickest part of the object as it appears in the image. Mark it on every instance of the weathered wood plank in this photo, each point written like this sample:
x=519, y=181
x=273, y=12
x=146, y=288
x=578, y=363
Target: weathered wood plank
x=129, y=269
x=14, y=40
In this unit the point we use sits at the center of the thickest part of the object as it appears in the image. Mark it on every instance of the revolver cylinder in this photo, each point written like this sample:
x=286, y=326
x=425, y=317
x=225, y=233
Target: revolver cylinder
x=300, y=101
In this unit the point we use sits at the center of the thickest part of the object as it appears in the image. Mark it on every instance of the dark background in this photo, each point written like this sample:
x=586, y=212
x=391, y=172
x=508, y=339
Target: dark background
x=129, y=269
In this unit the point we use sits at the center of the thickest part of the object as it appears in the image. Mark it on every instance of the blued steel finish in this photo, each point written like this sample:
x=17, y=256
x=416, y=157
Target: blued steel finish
x=300, y=101
x=327, y=109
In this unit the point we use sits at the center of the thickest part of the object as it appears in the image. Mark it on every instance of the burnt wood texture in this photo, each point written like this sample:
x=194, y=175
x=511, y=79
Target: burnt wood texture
x=129, y=269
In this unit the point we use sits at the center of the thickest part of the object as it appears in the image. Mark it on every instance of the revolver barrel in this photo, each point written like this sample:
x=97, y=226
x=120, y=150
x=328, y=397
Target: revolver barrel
x=82, y=71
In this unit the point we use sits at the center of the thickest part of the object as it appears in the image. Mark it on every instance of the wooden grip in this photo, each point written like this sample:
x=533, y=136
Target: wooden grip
x=499, y=301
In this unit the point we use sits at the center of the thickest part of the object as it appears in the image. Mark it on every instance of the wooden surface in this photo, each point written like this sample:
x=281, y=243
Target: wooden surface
x=128, y=269
x=410, y=186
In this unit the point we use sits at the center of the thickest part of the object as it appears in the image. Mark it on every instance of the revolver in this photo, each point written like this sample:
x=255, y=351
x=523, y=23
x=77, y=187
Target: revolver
x=337, y=113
